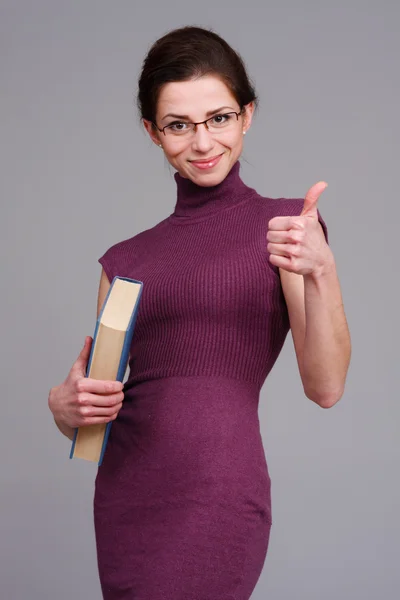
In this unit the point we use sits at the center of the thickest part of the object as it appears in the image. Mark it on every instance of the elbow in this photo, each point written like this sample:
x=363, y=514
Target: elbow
x=325, y=398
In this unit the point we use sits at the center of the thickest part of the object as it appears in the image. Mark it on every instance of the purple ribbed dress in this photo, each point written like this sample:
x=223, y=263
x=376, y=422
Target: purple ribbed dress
x=182, y=503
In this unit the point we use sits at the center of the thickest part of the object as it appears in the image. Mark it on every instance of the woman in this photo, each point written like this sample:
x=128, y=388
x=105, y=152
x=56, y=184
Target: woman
x=182, y=499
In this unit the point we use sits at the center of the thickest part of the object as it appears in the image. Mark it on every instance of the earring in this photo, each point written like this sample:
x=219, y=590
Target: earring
x=244, y=133
x=160, y=145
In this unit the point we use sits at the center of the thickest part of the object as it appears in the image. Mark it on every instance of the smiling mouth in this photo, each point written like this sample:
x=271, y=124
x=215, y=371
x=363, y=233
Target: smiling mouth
x=206, y=160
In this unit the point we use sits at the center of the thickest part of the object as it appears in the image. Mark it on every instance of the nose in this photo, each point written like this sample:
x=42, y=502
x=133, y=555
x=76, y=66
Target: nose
x=202, y=139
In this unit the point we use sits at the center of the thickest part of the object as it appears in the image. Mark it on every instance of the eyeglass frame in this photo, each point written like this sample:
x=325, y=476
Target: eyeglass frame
x=231, y=112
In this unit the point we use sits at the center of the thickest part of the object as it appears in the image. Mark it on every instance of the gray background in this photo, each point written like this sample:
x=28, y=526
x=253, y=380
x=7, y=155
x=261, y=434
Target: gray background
x=78, y=174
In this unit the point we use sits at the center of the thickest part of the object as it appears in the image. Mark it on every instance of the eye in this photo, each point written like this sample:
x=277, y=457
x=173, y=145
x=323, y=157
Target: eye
x=178, y=127
x=219, y=120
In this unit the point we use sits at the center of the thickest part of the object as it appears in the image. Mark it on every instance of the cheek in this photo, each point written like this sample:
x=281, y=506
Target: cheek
x=173, y=151
x=235, y=142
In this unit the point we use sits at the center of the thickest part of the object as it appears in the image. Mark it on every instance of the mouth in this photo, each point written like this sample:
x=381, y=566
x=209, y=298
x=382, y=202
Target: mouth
x=206, y=163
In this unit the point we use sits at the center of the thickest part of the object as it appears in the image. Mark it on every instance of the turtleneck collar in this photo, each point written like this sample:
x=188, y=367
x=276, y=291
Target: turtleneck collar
x=195, y=201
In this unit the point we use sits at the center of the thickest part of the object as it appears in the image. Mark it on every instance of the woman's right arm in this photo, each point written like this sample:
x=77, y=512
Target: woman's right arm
x=80, y=400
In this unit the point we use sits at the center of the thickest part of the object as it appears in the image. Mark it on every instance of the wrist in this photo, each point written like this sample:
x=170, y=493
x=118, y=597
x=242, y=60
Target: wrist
x=65, y=429
x=326, y=268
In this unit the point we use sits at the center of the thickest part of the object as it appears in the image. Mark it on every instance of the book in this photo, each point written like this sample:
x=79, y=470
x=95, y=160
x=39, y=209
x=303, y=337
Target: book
x=109, y=358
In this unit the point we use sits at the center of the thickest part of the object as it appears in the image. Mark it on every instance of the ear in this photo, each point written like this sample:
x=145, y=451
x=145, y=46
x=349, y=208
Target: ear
x=152, y=131
x=248, y=111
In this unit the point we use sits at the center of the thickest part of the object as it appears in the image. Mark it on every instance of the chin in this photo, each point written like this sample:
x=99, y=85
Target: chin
x=211, y=178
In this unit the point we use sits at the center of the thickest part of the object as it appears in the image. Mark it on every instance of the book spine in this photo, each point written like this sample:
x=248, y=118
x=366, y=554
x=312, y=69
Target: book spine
x=122, y=368
x=71, y=455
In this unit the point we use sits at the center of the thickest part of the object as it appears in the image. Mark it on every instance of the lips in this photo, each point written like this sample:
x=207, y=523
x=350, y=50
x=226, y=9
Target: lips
x=206, y=163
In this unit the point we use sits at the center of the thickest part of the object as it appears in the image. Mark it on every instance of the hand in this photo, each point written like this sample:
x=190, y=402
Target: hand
x=298, y=244
x=81, y=400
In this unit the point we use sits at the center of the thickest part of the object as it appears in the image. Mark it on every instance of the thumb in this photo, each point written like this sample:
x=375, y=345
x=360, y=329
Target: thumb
x=312, y=197
x=81, y=362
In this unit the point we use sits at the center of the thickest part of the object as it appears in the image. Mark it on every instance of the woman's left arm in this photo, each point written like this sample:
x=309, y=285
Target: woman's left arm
x=312, y=292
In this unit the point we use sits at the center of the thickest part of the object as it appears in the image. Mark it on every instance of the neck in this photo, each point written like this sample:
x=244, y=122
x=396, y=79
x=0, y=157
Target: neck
x=198, y=201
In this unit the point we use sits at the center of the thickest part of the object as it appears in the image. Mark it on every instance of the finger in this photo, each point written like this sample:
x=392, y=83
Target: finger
x=98, y=386
x=285, y=237
x=82, y=360
x=91, y=413
x=280, y=249
x=85, y=399
x=285, y=223
x=312, y=197
x=282, y=262
x=84, y=421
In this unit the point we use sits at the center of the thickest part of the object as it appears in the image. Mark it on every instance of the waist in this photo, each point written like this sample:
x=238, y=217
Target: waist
x=205, y=414
x=193, y=396
x=188, y=429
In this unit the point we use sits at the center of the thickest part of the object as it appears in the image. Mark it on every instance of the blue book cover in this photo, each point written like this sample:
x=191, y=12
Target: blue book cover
x=123, y=363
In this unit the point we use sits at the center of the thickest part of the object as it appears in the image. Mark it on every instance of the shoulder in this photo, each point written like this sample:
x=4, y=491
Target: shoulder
x=120, y=255
x=278, y=207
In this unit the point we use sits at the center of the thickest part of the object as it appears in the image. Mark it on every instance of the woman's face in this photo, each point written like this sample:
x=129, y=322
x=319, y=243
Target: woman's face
x=192, y=153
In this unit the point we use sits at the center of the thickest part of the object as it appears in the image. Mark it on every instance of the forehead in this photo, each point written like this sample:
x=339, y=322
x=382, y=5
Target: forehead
x=194, y=97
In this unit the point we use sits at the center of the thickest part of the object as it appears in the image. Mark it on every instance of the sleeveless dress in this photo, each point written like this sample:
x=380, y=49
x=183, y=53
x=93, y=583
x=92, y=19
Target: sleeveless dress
x=182, y=502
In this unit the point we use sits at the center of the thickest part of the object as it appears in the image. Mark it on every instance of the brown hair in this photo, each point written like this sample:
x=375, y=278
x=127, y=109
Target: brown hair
x=189, y=53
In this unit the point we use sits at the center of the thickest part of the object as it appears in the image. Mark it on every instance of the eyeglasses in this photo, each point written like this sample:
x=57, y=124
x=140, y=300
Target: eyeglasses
x=215, y=124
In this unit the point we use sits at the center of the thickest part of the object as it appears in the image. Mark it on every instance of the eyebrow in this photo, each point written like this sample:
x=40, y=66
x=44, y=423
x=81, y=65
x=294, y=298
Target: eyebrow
x=208, y=114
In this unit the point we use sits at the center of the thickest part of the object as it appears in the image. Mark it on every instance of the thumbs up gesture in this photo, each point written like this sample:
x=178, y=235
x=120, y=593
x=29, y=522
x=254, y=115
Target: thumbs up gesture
x=297, y=244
